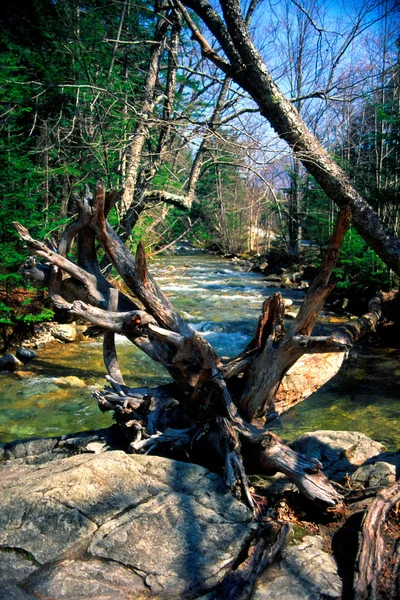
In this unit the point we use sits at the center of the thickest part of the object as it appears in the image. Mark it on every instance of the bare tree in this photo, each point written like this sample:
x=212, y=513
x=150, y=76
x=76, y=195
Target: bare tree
x=243, y=62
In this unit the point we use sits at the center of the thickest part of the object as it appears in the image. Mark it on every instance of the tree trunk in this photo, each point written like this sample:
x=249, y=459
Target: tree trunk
x=246, y=67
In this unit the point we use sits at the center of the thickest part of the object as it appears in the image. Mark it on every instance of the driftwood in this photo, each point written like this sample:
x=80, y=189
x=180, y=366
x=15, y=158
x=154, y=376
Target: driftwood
x=210, y=404
x=206, y=414
x=370, y=555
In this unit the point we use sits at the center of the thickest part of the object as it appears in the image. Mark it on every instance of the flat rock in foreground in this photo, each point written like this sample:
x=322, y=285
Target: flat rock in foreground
x=111, y=526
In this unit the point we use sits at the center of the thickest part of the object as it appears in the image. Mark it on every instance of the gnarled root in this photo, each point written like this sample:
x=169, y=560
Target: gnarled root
x=369, y=559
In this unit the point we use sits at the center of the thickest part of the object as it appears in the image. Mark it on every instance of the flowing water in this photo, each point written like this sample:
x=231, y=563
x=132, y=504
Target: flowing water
x=222, y=301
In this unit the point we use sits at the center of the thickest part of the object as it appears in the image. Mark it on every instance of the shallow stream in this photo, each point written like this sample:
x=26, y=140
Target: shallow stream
x=222, y=301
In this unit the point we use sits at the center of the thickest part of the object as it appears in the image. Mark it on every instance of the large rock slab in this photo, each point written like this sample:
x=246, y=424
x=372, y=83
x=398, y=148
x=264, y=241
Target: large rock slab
x=112, y=525
x=306, y=572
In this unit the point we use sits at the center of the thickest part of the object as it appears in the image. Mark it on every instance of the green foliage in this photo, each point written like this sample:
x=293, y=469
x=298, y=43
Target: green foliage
x=45, y=315
x=359, y=270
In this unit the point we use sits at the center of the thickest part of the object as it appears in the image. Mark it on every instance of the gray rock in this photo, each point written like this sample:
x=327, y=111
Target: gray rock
x=15, y=565
x=113, y=525
x=11, y=591
x=340, y=452
x=381, y=470
x=9, y=362
x=42, y=450
x=64, y=332
x=378, y=474
x=306, y=572
x=89, y=579
x=24, y=354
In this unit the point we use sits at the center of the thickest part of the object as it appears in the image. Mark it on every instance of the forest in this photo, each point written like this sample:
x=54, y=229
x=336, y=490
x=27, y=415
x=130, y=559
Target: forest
x=265, y=132
x=111, y=91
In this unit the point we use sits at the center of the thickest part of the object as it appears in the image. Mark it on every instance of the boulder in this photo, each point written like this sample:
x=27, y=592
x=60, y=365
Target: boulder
x=290, y=314
x=306, y=572
x=306, y=376
x=24, y=354
x=340, y=452
x=110, y=525
x=65, y=332
x=9, y=362
x=381, y=470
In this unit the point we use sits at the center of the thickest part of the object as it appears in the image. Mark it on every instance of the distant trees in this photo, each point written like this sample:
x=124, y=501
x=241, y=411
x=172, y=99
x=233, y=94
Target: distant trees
x=244, y=63
x=122, y=91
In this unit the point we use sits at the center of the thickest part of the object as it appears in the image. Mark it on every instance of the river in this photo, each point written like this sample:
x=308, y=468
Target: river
x=222, y=301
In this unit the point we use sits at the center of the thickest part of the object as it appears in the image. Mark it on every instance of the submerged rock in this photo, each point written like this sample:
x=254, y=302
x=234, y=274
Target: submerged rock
x=24, y=374
x=112, y=525
x=69, y=381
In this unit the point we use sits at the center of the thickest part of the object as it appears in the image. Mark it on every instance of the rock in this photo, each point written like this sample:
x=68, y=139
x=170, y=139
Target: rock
x=381, y=470
x=306, y=376
x=378, y=474
x=287, y=302
x=42, y=450
x=286, y=280
x=24, y=354
x=273, y=284
x=276, y=278
x=290, y=314
x=340, y=452
x=295, y=277
x=69, y=381
x=306, y=572
x=80, y=329
x=262, y=266
x=66, y=332
x=113, y=525
x=9, y=362
x=304, y=284
x=24, y=374
x=97, y=447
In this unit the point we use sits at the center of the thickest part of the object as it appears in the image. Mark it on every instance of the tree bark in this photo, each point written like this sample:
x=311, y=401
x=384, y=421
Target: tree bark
x=370, y=554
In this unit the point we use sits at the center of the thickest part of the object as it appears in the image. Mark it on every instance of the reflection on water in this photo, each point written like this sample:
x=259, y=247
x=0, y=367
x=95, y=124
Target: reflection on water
x=222, y=302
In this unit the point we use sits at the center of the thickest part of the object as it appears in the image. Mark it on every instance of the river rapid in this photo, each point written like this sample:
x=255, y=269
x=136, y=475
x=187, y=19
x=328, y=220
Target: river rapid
x=222, y=301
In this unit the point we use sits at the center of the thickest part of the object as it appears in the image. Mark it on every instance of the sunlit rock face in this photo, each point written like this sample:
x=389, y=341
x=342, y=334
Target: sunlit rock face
x=108, y=525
